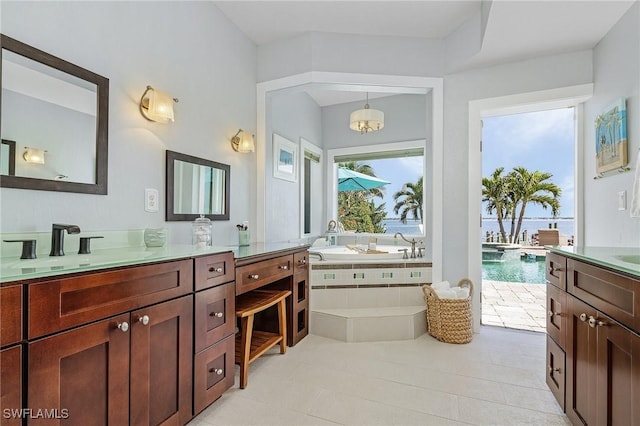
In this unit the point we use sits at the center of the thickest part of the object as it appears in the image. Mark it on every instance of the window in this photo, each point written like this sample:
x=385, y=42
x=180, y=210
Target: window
x=394, y=198
x=310, y=187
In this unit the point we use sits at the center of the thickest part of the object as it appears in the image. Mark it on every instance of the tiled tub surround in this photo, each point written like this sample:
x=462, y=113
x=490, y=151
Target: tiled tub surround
x=367, y=301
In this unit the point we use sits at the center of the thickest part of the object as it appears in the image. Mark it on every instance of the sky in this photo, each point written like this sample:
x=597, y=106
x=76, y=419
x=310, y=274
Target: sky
x=537, y=141
x=541, y=141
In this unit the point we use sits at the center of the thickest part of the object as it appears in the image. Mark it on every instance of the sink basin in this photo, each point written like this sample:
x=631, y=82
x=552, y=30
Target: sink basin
x=630, y=258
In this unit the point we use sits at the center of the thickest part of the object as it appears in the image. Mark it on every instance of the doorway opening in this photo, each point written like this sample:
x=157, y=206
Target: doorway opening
x=528, y=186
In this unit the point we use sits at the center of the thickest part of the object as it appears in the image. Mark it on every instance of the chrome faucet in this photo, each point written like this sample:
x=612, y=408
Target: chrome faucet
x=57, y=237
x=413, y=243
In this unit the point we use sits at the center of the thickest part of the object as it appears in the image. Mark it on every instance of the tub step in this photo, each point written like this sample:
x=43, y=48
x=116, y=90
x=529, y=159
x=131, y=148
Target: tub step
x=369, y=324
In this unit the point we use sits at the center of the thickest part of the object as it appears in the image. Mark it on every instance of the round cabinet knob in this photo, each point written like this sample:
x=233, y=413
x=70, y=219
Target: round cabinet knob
x=601, y=323
x=218, y=371
x=284, y=267
x=583, y=317
x=551, y=314
x=123, y=326
x=144, y=320
x=212, y=269
x=254, y=276
x=216, y=314
x=592, y=322
x=556, y=370
x=302, y=261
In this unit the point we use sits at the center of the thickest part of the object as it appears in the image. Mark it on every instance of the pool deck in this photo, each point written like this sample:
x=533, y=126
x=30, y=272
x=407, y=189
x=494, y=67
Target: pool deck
x=514, y=305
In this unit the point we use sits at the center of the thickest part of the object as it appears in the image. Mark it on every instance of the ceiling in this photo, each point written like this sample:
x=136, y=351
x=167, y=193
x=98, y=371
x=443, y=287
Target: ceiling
x=513, y=29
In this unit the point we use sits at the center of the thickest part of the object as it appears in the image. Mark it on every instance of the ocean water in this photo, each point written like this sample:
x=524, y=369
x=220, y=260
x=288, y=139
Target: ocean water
x=565, y=226
x=410, y=228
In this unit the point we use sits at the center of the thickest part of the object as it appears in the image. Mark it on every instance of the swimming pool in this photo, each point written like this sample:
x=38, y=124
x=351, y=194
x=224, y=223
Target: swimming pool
x=518, y=271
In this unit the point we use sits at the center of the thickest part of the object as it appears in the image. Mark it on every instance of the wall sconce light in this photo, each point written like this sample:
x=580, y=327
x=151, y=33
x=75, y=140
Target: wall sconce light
x=243, y=142
x=33, y=155
x=157, y=106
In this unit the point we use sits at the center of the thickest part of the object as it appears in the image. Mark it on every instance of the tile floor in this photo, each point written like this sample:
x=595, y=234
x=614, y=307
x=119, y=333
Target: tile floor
x=497, y=379
x=514, y=305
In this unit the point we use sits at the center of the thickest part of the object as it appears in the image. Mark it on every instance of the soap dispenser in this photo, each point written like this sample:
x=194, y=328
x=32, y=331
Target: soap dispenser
x=201, y=232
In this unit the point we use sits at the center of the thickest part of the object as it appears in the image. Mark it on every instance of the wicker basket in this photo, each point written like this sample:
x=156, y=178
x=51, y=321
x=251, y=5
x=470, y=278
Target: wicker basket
x=449, y=320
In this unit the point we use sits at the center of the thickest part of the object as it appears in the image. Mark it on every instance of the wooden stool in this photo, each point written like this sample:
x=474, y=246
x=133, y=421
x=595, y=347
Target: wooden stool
x=251, y=344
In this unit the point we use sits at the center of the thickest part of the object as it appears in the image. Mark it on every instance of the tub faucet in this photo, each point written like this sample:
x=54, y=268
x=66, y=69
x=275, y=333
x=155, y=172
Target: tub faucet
x=413, y=243
x=57, y=237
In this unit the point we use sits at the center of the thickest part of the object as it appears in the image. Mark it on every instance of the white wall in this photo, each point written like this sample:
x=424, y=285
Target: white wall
x=187, y=49
x=292, y=116
x=616, y=72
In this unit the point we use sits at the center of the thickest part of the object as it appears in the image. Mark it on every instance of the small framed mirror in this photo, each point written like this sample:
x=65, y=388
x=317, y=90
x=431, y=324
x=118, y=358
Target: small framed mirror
x=56, y=115
x=195, y=187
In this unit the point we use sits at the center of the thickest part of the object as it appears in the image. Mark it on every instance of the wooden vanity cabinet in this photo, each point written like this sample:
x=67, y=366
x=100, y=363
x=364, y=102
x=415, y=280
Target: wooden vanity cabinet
x=133, y=367
x=279, y=272
x=214, y=329
x=602, y=347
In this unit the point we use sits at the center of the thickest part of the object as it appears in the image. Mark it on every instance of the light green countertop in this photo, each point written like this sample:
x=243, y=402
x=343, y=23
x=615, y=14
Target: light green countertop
x=15, y=269
x=623, y=259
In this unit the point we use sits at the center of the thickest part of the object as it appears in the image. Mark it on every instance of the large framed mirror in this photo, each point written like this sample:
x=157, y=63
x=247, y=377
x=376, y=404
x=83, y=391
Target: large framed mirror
x=60, y=112
x=195, y=187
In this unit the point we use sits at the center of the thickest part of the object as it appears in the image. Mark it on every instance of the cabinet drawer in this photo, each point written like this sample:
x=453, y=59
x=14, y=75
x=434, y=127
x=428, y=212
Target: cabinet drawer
x=63, y=303
x=557, y=315
x=213, y=373
x=250, y=277
x=215, y=315
x=300, y=262
x=214, y=270
x=556, y=270
x=556, y=364
x=613, y=294
x=10, y=315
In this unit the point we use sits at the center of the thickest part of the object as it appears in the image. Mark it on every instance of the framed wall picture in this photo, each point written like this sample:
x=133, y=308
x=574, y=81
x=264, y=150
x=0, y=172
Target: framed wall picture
x=611, y=137
x=285, y=159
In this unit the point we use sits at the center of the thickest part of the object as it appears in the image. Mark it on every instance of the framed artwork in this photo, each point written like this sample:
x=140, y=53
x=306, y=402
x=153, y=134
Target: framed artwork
x=611, y=138
x=285, y=159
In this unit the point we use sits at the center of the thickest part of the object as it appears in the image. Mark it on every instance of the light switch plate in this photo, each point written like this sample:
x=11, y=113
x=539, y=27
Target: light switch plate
x=151, y=200
x=622, y=200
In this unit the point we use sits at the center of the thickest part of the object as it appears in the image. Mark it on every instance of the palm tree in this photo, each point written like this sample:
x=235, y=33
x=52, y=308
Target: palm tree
x=531, y=187
x=409, y=200
x=356, y=209
x=494, y=193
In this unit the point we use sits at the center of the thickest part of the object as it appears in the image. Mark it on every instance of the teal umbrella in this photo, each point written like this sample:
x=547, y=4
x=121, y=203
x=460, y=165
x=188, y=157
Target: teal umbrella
x=350, y=180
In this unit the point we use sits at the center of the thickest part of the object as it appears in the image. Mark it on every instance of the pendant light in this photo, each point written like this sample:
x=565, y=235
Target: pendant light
x=366, y=120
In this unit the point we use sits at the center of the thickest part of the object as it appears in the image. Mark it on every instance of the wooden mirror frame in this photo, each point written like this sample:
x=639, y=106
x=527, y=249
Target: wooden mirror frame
x=102, y=123
x=171, y=216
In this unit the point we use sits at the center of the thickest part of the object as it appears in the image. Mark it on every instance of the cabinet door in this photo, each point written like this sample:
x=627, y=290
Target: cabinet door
x=161, y=362
x=10, y=315
x=618, y=382
x=11, y=386
x=556, y=367
x=82, y=374
x=581, y=351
